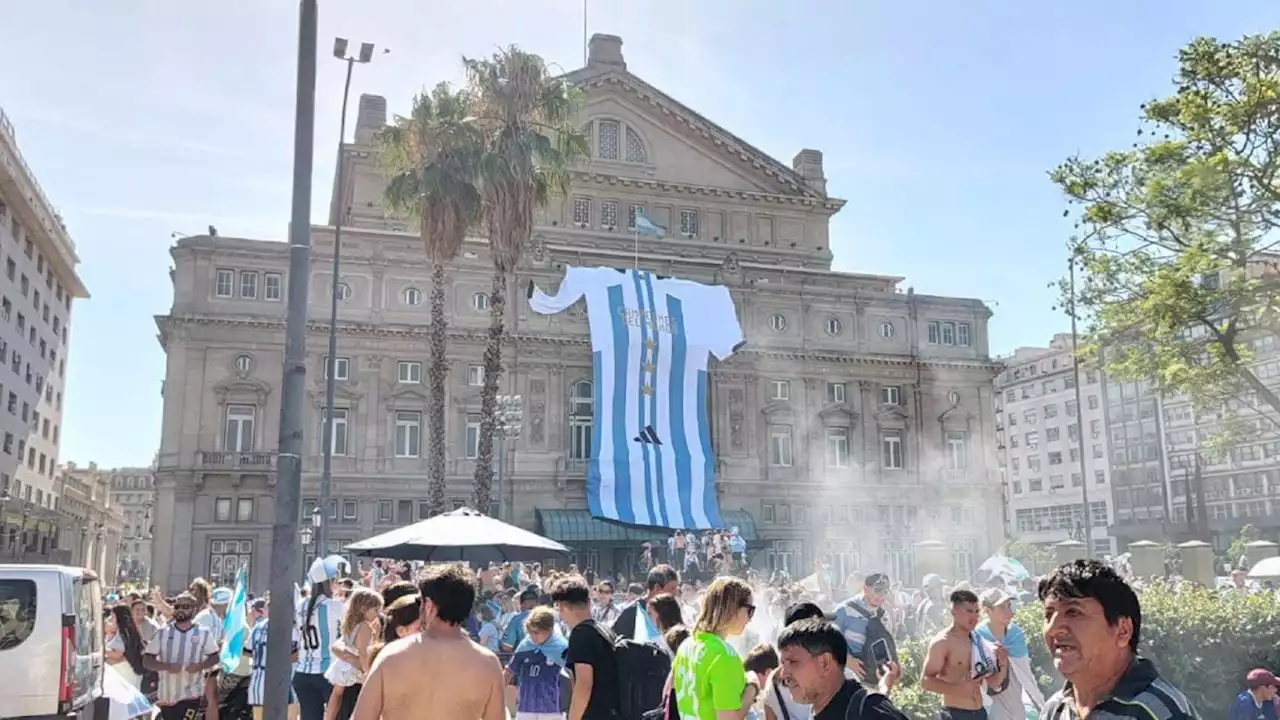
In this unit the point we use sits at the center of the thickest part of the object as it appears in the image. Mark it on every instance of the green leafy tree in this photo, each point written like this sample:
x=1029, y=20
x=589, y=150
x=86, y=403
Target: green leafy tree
x=1239, y=546
x=1176, y=235
x=1034, y=558
x=433, y=157
x=524, y=114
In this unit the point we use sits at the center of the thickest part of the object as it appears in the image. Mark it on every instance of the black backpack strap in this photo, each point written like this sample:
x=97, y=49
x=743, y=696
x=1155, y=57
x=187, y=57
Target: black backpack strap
x=782, y=703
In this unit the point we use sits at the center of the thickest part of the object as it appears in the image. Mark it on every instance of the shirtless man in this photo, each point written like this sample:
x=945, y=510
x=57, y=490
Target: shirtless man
x=438, y=673
x=949, y=667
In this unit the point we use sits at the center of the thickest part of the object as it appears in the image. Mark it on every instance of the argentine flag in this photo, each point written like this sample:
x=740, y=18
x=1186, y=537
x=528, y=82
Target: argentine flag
x=646, y=633
x=233, y=627
x=126, y=700
x=644, y=226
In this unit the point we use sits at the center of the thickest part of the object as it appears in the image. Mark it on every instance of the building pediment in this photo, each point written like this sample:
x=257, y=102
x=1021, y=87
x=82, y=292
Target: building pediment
x=347, y=392
x=406, y=395
x=893, y=413
x=839, y=412
x=611, y=90
x=235, y=388
x=777, y=409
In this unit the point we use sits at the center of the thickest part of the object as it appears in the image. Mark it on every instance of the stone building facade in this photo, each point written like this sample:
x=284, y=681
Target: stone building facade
x=133, y=494
x=856, y=422
x=90, y=526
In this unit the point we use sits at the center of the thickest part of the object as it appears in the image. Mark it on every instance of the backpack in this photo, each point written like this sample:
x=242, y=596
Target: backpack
x=859, y=700
x=876, y=630
x=642, y=674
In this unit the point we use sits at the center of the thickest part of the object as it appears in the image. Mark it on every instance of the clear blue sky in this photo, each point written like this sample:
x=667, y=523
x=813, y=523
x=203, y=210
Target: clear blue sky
x=938, y=120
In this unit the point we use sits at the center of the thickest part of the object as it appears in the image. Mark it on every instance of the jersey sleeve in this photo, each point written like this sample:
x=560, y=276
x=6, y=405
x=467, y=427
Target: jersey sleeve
x=719, y=321
x=572, y=288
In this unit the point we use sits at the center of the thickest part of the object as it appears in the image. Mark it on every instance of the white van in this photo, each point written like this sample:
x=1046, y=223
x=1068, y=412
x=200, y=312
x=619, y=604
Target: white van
x=51, y=660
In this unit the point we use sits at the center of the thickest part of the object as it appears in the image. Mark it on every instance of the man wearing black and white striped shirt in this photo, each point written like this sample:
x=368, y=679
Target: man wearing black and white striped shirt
x=181, y=652
x=1092, y=624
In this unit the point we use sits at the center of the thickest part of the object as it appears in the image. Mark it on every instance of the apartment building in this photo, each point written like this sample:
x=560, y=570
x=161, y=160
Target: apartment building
x=1053, y=451
x=38, y=285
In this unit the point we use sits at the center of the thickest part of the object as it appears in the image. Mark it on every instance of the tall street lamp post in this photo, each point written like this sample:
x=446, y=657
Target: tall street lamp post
x=326, y=474
x=1075, y=358
x=509, y=419
x=284, y=526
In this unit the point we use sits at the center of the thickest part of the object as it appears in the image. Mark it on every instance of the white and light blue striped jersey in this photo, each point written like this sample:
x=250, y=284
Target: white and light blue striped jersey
x=650, y=459
x=258, y=671
x=315, y=638
x=174, y=646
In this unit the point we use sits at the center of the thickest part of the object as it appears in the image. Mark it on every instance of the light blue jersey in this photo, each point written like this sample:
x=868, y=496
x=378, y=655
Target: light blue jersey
x=258, y=666
x=650, y=460
x=317, y=636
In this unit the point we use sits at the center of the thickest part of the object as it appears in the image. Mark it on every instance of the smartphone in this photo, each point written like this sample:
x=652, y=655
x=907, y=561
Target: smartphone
x=880, y=652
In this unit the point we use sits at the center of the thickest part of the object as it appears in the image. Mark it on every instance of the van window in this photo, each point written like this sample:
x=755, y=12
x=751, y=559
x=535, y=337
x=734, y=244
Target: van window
x=17, y=612
x=88, y=617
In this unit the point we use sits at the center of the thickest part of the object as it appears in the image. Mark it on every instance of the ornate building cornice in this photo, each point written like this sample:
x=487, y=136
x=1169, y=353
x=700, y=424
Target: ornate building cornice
x=593, y=177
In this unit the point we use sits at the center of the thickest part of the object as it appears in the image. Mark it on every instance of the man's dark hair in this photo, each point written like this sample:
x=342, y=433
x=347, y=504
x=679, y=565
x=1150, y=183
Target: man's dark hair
x=397, y=590
x=452, y=589
x=635, y=589
x=571, y=590
x=816, y=636
x=1082, y=579
x=803, y=611
x=961, y=596
x=660, y=575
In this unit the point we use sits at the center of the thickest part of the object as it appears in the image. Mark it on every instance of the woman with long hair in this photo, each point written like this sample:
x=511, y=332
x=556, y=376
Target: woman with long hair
x=709, y=680
x=318, y=627
x=124, y=650
x=402, y=618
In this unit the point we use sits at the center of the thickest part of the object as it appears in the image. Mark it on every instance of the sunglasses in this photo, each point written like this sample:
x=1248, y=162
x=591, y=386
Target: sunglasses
x=751, y=610
x=184, y=607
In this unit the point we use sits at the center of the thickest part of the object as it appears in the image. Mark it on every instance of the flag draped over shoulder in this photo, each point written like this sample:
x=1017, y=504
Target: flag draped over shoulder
x=233, y=627
x=646, y=632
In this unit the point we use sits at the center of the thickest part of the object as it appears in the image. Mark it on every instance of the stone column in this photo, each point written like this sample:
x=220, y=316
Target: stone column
x=1146, y=559
x=1197, y=562
x=1258, y=550
x=931, y=557
x=1068, y=551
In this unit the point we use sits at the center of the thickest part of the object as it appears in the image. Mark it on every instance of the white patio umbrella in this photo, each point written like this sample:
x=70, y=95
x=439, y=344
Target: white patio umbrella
x=1265, y=569
x=461, y=535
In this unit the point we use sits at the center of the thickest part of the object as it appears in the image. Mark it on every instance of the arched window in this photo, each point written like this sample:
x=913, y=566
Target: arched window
x=615, y=141
x=581, y=419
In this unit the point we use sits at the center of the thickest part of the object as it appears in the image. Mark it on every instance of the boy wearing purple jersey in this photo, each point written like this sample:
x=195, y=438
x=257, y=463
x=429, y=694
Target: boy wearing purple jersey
x=537, y=667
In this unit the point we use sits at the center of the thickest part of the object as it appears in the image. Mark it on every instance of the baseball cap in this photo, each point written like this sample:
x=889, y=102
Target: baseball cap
x=994, y=597
x=877, y=581
x=1260, y=678
x=220, y=596
x=803, y=611
x=931, y=580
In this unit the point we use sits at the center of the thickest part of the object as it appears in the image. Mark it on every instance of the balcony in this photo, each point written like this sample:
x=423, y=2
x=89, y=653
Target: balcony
x=222, y=460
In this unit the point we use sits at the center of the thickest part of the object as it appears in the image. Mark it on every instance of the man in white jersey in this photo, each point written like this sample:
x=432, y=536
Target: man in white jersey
x=180, y=653
x=650, y=461
x=257, y=649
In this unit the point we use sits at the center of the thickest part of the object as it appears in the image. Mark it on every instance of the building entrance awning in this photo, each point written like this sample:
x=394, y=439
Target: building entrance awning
x=577, y=526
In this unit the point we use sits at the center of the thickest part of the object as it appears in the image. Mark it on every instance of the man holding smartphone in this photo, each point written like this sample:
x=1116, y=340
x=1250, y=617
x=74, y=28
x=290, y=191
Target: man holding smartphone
x=960, y=663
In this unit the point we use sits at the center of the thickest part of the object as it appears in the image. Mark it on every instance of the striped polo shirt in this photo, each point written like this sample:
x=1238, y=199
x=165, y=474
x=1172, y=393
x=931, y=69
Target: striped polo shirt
x=1140, y=694
x=173, y=646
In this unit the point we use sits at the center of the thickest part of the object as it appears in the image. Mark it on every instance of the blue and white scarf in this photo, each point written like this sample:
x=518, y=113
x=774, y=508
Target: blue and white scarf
x=554, y=648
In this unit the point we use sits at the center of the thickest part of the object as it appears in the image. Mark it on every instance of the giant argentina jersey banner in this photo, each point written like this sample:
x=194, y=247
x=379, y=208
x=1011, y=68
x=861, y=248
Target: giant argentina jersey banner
x=651, y=461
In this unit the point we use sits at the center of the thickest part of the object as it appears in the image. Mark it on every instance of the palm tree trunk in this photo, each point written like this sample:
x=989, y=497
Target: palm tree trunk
x=437, y=375
x=483, y=497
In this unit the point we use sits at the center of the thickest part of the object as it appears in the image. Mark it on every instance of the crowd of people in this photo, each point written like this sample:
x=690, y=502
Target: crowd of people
x=403, y=641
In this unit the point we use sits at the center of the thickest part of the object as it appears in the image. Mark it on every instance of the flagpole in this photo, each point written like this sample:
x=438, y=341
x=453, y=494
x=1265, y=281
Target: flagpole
x=635, y=253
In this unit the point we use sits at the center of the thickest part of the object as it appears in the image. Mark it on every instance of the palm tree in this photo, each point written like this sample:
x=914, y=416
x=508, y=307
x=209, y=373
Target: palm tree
x=525, y=116
x=432, y=156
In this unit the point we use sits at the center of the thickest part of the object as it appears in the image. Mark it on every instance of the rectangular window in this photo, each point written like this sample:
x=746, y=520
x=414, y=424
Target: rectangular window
x=581, y=212
x=341, y=368
x=409, y=371
x=934, y=334
x=1033, y=439
x=1100, y=477
x=222, y=510
x=962, y=334
x=779, y=390
x=609, y=214
x=689, y=223
x=385, y=511
x=948, y=333
x=239, y=431
x=339, y=431
x=248, y=284
x=408, y=434
x=835, y=392
x=224, y=285
x=1051, y=434
x=1050, y=411
x=11, y=269
x=838, y=447
x=350, y=510
x=471, y=440
x=890, y=395
x=631, y=214
x=1093, y=402
x=891, y=449
x=1030, y=416
x=1055, y=458
x=244, y=510
x=475, y=375
x=273, y=286
x=957, y=451
x=780, y=445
